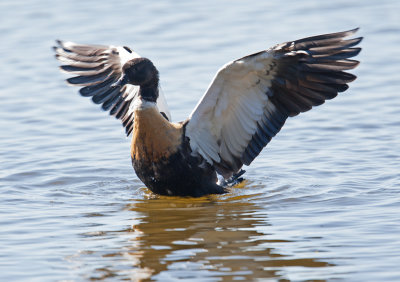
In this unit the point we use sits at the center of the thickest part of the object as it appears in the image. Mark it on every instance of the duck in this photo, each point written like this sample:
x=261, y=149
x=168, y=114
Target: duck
x=243, y=108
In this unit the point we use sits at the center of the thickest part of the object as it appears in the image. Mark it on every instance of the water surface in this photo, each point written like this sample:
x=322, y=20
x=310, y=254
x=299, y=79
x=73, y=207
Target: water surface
x=321, y=202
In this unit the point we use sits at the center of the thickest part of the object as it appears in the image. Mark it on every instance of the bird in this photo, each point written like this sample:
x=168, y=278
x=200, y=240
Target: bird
x=243, y=108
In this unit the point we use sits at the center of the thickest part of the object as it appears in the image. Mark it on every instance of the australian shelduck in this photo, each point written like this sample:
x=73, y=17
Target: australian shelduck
x=246, y=104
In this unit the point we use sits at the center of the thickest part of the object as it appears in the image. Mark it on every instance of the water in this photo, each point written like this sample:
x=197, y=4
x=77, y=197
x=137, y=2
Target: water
x=320, y=203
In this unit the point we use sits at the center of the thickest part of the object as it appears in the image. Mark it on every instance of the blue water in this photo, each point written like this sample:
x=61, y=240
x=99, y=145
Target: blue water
x=321, y=202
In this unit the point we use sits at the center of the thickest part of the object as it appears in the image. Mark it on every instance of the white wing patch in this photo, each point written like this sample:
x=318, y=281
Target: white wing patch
x=223, y=123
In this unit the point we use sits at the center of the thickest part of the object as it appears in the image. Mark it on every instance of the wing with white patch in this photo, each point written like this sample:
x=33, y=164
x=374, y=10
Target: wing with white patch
x=250, y=99
x=97, y=68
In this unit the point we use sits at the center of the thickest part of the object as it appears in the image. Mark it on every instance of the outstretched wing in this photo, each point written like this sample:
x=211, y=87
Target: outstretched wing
x=96, y=68
x=250, y=99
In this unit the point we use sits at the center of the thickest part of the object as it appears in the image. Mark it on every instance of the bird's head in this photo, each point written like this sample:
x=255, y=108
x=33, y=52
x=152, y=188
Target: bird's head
x=141, y=72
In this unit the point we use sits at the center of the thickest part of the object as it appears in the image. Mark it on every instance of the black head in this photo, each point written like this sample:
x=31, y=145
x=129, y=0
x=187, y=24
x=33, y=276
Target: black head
x=140, y=71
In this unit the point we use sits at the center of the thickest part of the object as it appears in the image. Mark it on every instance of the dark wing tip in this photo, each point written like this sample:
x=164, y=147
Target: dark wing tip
x=352, y=31
x=317, y=76
x=57, y=46
x=346, y=33
x=332, y=36
x=60, y=44
x=356, y=63
x=128, y=49
x=359, y=39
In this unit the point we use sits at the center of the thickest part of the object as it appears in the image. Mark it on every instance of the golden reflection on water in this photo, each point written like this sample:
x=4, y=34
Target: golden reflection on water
x=207, y=237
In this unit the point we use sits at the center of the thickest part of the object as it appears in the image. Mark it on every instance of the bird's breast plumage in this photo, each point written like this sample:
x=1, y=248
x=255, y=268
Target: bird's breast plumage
x=154, y=138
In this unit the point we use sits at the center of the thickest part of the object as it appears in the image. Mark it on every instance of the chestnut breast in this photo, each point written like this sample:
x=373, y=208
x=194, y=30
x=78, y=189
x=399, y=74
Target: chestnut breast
x=154, y=137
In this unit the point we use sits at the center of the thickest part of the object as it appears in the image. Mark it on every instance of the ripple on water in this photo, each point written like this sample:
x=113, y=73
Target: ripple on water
x=319, y=203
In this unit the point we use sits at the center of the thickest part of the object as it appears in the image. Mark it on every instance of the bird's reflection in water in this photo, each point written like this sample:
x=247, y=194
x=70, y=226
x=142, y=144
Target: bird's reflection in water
x=217, y=236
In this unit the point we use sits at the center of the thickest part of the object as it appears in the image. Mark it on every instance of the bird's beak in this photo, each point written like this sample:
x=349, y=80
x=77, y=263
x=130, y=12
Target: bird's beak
x=120, y=82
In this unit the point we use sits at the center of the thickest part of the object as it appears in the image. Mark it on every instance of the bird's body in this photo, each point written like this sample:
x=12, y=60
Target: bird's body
x=246, y=105
x=162, y=159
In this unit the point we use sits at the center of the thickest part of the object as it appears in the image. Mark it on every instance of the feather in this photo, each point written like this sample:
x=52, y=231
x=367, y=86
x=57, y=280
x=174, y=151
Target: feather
x=90, y=79
x=97, y=67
